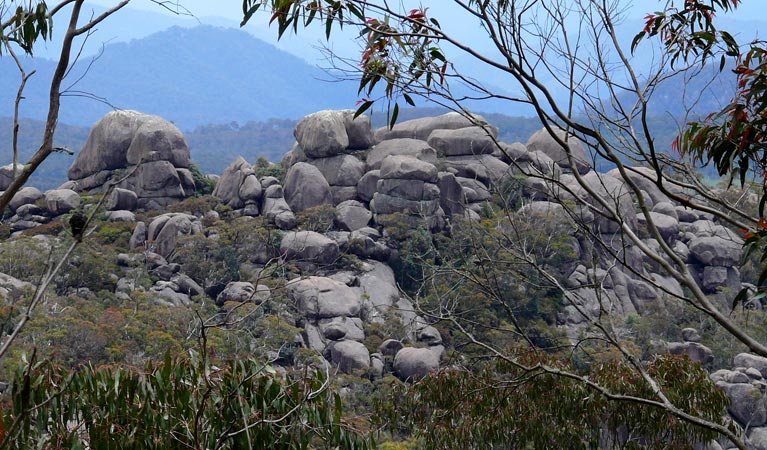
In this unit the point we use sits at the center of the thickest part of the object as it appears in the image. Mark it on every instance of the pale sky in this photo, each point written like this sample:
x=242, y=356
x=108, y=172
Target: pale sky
x=306, y=44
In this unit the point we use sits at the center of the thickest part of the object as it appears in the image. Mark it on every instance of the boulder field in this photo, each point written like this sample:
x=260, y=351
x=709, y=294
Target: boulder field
x=426, y=172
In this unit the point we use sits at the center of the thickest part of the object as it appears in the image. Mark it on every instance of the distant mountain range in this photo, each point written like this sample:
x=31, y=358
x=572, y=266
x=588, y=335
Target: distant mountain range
x=190, y=76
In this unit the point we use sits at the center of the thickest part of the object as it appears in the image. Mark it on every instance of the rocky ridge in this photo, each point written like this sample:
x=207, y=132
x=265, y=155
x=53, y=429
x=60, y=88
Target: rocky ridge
x=427, y=171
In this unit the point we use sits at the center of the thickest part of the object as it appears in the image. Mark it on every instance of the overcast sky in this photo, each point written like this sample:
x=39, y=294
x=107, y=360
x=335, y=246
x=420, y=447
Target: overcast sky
x=232, y=9
x=306, y=44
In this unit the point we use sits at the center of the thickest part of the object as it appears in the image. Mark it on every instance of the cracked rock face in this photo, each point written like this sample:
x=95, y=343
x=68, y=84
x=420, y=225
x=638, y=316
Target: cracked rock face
x=123, y=140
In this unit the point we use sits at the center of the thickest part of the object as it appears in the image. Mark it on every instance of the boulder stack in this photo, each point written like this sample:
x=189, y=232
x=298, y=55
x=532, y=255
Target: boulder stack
x=151, y=149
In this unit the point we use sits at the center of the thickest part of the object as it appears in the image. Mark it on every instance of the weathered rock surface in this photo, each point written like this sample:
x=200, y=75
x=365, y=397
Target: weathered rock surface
x=322, y=134
x=25, y=196
x=349, y=356
x=422, y=128
x=122, y=199
x=402, y=146
x=305, y=187
x=323, y=298
x=544, y=142
x=412, y=363
x=352, y=215
x=276, y=208
x=124, y=139
x=462, y=141
x=243, y=291
x=238, y=185
x=309, y=246
x=164, y=230
x=61, y=201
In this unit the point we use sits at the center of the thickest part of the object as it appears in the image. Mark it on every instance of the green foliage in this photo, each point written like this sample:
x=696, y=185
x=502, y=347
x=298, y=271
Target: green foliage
x=29, y=23
x=197, y=205
x=53, y=228
x=518, y=406
x=251, y=238
x=665, y=322
x=24, y=258
x=91, y=268
x=264, y=168
x=319, y=218
x=176, y=404
x=117, y=234
x=202, y=184
x=690, y=32
x=211, y=264
x=415, y=251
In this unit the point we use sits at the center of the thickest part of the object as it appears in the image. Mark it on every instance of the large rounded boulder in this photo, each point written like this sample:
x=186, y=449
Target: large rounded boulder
x=305, y=187
x=309, y=246
x=149, y=148
x=543, y=141
x=323, y=298
x=412, y=363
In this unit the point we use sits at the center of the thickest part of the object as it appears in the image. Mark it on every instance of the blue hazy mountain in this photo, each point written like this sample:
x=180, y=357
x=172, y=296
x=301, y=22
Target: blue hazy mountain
x=190, y=76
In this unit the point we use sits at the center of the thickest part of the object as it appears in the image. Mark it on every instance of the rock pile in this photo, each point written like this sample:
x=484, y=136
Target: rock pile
x=152, y=150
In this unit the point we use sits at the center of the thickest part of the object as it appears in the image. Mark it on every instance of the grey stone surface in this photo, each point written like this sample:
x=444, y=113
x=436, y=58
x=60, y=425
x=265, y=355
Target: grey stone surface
x=122, y=199
x=690, y=335
x=387, y=204
x=322, y=298
x=750, y=360
x=462, y=141
x=338, y=328
x=543, y=141
x=24, y=196
x=486, y=168
x=352, y=215
x=616, y=194
x=407, y=168
x=340, y=170
x=164, y=230
x=402, y=146
x=305, y=187
x=415, y=363
x=693, y=350
x=138, y=237
x=359, y=130
x=121, y=216
x=716, y=251
x=747, y=403
x=452, y=199
x=349, y=356
x=366, y=187
x=243, y=291
x=390, y=347
x=123, y=139
x=423, y=127
x=61, y=201
x=322, y=134
x=276, y=208
x=309, y=246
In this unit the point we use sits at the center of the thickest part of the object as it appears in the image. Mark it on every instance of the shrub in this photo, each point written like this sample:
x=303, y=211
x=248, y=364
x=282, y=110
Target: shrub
x=264, y=168
x=202, y=184
x=197, y=205
x=182, y=402
x=319, y=218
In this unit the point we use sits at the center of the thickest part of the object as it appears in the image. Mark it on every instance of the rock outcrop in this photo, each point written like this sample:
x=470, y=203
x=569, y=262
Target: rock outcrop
x=149, y=150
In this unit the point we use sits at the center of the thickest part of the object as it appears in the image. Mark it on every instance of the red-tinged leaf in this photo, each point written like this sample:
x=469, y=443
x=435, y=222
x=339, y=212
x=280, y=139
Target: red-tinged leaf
x=274, y=16
x=442, y=74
